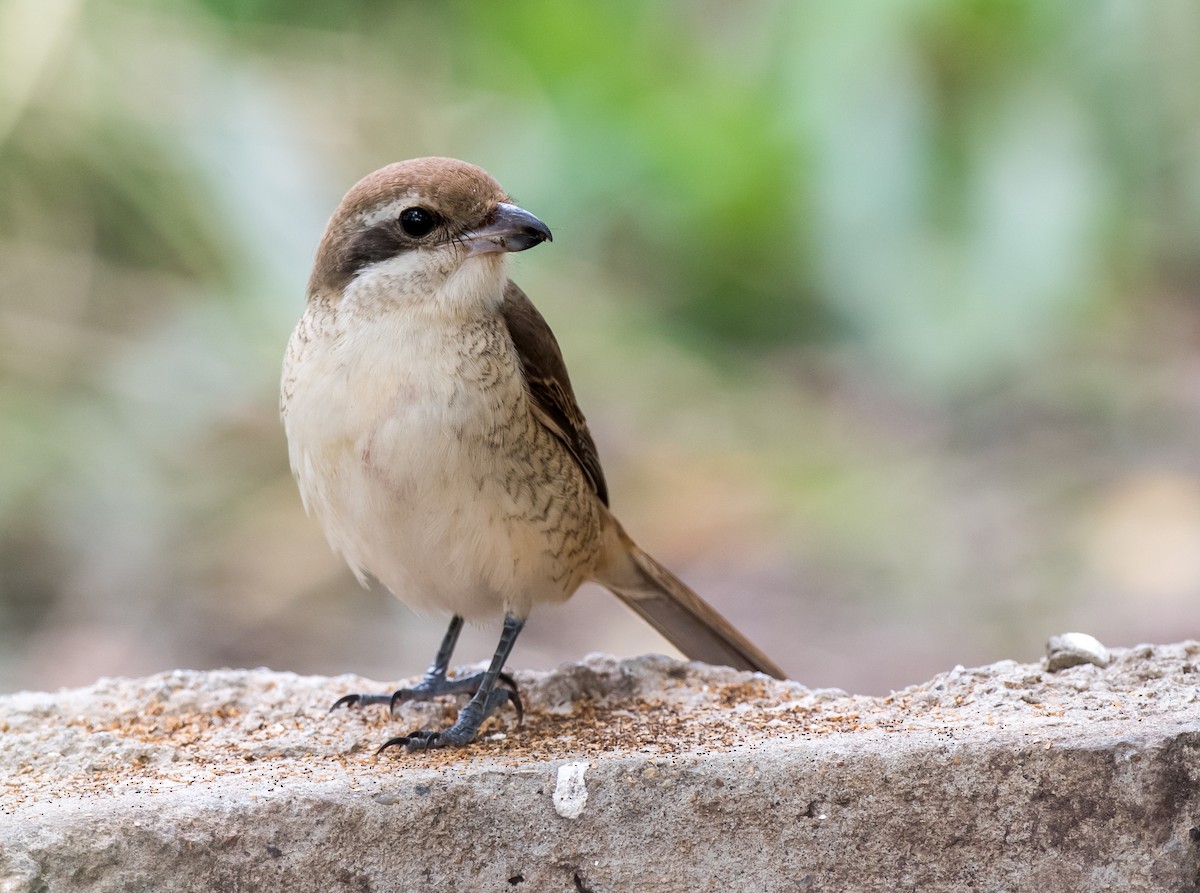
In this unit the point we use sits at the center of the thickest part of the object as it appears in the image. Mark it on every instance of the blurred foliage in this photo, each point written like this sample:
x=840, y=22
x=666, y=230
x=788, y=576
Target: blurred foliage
x=912, y=229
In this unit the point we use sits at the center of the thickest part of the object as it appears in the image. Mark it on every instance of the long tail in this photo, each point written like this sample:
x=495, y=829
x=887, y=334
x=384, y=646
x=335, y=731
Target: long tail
x=682, y=617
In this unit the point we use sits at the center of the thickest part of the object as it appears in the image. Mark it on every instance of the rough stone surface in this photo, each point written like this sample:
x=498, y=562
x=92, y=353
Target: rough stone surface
x=626, y=775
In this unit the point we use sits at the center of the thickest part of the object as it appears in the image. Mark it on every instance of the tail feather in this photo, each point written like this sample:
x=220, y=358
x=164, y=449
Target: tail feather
x=684, y=619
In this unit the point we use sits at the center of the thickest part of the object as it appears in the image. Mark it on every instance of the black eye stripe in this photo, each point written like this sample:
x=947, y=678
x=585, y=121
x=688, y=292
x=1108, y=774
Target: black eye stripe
x=408, y=230
x=372, y=246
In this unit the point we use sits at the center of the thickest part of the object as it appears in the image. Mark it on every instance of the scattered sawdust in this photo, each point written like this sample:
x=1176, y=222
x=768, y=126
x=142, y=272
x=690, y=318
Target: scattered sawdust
x=183, y=728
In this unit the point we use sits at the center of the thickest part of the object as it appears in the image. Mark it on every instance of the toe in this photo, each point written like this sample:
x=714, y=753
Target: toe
x=346, y=701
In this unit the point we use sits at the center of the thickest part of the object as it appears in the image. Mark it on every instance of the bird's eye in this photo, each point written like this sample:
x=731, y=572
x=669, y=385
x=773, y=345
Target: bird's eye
x=417, y=222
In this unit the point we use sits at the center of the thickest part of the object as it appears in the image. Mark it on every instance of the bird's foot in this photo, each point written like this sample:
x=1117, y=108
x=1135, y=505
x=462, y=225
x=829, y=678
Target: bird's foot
x=464, y=730
x=430, y=687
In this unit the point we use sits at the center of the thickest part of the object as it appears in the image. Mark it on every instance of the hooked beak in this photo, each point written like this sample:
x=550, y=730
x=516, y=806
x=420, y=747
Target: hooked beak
x=508, y=229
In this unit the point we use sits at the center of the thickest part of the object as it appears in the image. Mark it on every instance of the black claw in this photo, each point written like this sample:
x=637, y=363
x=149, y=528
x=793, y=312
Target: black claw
x=418, y=740
x=392, y=742
x=513, y=695
x=358, y=700
x=425, y=741
x=502, y=695
x=347, y=700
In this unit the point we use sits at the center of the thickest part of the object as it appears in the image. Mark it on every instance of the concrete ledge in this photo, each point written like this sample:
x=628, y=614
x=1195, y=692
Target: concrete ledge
x=645, y=774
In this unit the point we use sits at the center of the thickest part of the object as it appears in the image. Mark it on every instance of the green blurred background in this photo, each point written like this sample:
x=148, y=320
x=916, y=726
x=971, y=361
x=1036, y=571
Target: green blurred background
x=885, y=315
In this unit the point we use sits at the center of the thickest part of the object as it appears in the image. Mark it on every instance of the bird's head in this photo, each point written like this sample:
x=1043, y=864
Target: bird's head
x=413, y=227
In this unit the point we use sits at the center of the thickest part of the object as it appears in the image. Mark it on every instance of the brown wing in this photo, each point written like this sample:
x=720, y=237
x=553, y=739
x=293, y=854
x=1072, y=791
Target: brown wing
x=548, y=384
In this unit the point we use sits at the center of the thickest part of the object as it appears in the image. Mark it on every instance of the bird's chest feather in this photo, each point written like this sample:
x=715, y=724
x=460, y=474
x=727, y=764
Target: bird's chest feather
x=409, y=405
x=402, y=437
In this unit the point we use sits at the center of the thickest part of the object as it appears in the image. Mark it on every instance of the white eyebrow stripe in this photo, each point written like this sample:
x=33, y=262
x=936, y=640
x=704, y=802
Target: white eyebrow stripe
x=388, y=211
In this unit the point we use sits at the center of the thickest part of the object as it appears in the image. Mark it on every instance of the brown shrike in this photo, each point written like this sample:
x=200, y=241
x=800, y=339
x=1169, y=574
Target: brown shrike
x=434, y=434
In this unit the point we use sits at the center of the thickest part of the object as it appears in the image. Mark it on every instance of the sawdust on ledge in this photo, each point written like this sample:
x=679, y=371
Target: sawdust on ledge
x=189, y=727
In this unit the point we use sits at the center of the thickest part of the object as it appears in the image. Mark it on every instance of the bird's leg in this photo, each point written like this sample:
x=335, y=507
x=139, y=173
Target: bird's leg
x=435, y=683
x=483, y=703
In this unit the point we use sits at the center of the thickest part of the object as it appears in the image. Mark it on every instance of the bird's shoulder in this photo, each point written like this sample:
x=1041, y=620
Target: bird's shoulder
x=549, y=385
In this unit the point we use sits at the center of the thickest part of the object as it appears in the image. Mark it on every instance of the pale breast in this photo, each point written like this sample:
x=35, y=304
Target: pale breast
x=415, y=448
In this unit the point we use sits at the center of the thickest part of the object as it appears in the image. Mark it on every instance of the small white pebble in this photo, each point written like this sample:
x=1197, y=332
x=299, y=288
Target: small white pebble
x=1073, y=649
x=570, y=791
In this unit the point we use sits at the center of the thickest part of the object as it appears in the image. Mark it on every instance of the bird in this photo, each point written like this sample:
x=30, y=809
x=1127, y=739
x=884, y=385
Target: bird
x=434, y=435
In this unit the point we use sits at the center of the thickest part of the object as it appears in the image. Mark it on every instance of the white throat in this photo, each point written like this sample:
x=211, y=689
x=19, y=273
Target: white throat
x=439, y=283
